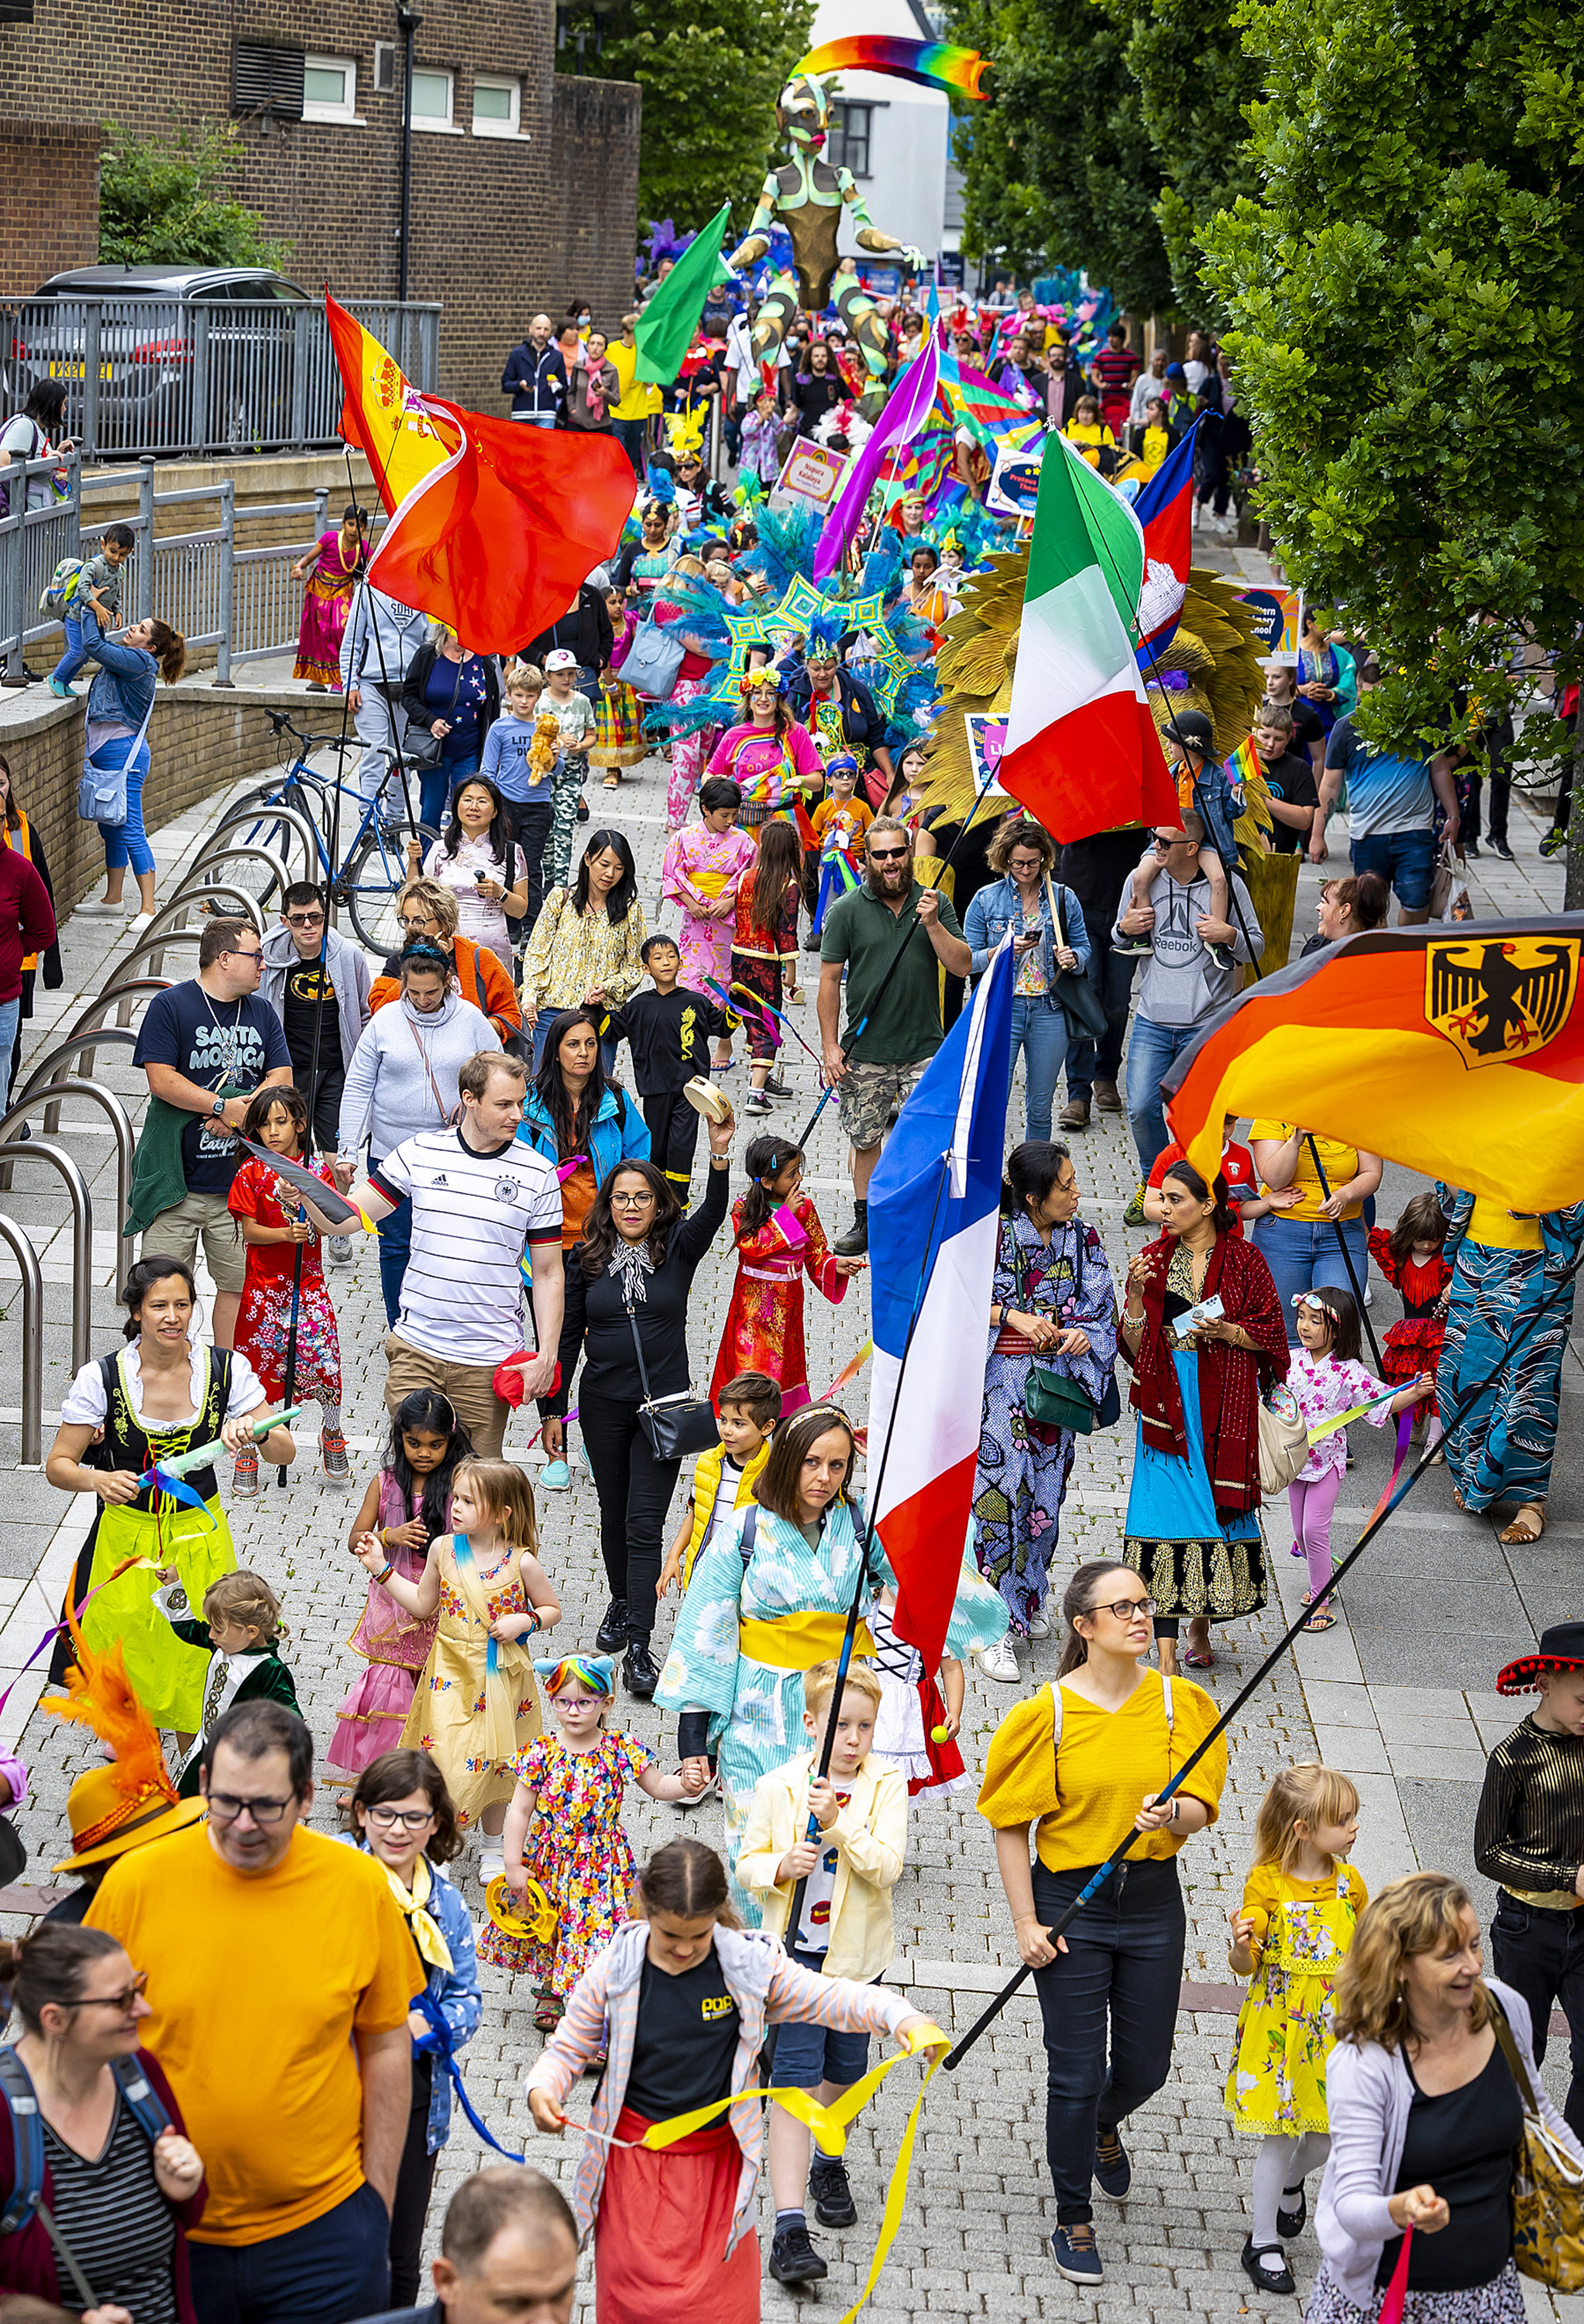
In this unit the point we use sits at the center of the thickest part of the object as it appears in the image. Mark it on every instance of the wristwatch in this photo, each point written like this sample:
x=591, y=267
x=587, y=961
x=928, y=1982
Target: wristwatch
x=218, y=1108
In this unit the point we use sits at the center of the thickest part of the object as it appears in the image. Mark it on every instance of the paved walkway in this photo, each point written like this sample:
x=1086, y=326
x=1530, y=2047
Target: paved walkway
x=1400, y=1694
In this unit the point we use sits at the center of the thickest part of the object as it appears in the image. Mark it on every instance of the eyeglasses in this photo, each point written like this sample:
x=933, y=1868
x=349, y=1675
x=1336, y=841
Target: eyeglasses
x=409, y=1819
x=887, y=855
x=225, y=1807
x=1164, y=845
x=236, y=952
x=1126, y=1609
x=632, y=1202
x=122, y=2000
x=303, y=920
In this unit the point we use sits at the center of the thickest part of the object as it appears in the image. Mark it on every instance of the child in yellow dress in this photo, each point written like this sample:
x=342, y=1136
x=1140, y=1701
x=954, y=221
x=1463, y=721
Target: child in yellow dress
x=476, y=1705
x=1300, y=1902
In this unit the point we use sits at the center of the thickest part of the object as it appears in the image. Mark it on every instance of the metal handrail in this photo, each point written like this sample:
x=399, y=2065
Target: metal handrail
x=41, y=1149
x=272, y=863
x=120, y=1123
x=239, y=905
x=20, y=1244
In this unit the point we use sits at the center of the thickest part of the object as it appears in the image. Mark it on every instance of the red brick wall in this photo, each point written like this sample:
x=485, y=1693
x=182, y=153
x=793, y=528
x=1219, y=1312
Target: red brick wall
x=496, y=224
x=48, y=201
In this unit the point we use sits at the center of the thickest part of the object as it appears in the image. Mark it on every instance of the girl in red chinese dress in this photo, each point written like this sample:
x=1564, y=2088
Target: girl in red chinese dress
x=278, y=1119
x=778, y=1238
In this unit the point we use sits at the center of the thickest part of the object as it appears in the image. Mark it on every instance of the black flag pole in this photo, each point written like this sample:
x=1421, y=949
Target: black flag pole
x=1426, y=1460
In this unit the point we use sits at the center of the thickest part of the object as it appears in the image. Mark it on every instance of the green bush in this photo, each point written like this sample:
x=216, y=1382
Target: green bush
x=169, y=201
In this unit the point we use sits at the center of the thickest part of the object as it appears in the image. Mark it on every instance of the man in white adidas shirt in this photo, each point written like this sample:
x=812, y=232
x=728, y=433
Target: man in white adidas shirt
x=480, y=1196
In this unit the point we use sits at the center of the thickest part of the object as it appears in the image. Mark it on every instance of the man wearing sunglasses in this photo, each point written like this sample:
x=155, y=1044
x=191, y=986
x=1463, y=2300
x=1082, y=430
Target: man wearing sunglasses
x=892, y=1033
x=296, y=954
x=1182, y=982
x=297, y=2104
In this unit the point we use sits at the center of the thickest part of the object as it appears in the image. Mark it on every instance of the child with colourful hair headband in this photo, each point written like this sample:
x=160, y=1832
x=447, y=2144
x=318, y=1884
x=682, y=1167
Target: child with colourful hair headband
x=564, y=1829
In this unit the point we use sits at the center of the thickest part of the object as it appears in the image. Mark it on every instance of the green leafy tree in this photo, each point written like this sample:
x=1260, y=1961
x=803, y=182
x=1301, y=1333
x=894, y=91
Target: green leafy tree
x=1058, y=164
x=711, y=72
x=169, y=201
x=1196, y=79
x=1406, y=291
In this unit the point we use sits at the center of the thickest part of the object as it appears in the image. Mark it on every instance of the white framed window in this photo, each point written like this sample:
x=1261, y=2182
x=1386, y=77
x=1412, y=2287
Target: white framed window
x=329, y=89
x=434, y=97
x=497, y=106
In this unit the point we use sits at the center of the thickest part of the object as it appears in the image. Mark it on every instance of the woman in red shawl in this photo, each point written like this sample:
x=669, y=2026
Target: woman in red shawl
x=1192, y=1526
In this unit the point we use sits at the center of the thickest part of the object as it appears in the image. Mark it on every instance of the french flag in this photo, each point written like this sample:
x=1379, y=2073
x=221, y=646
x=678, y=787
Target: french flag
x=934, y=1213
x=1165, y=510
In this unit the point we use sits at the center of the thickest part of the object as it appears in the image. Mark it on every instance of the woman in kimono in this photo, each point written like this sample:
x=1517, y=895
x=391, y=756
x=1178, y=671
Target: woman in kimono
x=1507, y=1266
x=705, y=865
x=1052, y=1301
x=768, y=1599
x=778, y=1239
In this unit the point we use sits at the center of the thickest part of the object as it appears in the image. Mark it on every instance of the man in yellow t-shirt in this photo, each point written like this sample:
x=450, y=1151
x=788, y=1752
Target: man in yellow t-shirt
x=281, y=1974
x=638, y=399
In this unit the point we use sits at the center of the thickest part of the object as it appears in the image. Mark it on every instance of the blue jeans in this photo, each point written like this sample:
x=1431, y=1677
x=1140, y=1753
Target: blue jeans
x=74, y=658
x=10, y=1019
x=630, y=434
x=1122, y=1969
x=437, y=784
x=1404, y=860
x=1150, y=1050
x=1303, y=1254
x=1111, y=975
x=395, y=1247
x=334, y=2267
x=535, y=419
x=127, y=843
x=1039, y=1028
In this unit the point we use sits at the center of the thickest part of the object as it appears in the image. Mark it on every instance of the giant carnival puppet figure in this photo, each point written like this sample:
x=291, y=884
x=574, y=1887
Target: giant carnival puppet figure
x=808, y=194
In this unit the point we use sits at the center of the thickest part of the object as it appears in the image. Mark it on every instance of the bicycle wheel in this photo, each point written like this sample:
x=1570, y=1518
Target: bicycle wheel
x=253, y=821
x=374, y=875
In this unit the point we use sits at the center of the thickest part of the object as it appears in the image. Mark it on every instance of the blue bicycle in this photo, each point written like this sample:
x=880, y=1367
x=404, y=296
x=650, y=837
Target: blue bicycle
x=375, y=865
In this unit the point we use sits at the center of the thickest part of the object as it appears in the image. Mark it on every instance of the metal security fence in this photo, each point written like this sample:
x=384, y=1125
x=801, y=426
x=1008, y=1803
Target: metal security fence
x=204, y=374
x=242, y=602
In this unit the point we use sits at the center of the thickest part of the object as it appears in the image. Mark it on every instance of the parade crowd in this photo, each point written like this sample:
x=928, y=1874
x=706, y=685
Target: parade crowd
x=177, y=2142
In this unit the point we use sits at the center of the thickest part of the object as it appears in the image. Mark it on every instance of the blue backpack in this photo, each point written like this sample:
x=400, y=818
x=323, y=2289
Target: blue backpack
x=26, y=2198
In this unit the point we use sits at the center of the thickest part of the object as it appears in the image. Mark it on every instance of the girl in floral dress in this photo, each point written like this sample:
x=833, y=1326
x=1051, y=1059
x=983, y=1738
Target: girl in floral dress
x=278, y=1119
x=1300, y=1903
x=476, y=1705
x=564, y=1829
x=406, y=1505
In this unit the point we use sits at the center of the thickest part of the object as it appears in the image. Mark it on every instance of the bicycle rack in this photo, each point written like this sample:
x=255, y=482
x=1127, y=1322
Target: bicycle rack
x=122, y=995
x=41, y=1149
x=146, y=949
x=238, y=905
x=120, y=1123
x=20, y=1244
x=278, y=871
x=92, y=1039
x=299, y=824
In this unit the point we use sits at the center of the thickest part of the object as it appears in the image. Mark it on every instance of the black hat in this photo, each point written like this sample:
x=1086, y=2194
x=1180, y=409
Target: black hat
x=1194, y=730
x=1562, y=1649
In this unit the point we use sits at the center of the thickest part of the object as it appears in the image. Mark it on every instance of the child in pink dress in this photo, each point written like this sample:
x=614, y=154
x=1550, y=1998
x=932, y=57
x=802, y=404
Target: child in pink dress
x=406, y=1504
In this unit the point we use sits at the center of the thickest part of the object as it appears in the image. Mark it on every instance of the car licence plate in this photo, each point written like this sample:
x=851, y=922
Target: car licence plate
x=75, y=370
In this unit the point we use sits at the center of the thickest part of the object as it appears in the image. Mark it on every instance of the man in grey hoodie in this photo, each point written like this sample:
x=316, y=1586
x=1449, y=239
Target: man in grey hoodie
x=381, y=638
x=1182, y=983
x=296, y=954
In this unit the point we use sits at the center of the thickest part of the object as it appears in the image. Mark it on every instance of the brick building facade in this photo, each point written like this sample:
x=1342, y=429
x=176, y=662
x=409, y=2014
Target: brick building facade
x=524, y=190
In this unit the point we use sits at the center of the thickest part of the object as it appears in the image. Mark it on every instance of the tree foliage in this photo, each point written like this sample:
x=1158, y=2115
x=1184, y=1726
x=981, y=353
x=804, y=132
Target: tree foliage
x=711, y=72
x=1058, y=166
x=1405, y=291
x=1196, y=79
x=169, y=201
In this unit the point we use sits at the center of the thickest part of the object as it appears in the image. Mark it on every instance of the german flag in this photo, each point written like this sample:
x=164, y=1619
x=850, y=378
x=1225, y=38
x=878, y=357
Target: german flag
x=1457, y=1054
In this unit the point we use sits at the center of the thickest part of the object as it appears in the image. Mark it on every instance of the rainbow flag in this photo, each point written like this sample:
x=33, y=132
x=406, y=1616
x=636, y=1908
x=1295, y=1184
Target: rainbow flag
x=932, y=64
x=1243, y=765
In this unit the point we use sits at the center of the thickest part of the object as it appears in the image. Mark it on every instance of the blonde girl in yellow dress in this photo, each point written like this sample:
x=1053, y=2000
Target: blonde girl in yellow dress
x=1300, y=1902
x=476, y=1704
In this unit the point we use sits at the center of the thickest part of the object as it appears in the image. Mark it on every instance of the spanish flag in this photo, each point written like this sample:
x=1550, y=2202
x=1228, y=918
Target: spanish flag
x=493, y=526
x=1460, y=1055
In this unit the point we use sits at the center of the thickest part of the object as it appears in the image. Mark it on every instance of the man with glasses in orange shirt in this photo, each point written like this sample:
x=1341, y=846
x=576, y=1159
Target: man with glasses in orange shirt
x=281, y=1977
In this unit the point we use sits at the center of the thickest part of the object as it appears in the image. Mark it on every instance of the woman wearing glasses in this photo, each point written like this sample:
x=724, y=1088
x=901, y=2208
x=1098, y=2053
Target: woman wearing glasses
x=121, y=2190
x=628, y=1283
x=425, y=908
x=1081, y=1762
x=1192, y=1524
x=404, y=1819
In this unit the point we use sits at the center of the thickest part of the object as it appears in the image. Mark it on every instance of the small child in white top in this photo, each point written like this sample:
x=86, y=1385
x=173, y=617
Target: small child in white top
x=1327, y=1379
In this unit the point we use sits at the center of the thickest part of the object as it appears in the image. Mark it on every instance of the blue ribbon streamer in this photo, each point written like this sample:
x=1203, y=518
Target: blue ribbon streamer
x=443, y=2046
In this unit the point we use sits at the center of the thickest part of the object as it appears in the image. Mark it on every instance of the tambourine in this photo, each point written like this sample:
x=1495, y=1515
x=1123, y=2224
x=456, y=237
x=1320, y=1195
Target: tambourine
x=537, y=1916
x=704, y=1098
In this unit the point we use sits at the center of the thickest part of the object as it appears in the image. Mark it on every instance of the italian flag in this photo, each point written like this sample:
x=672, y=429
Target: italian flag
x=1081, y=753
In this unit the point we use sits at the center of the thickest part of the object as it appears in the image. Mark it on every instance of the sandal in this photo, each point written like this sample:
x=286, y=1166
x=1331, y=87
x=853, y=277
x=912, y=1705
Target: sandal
x=1200, y=1658
x=610, y=783
x=1322, y=1618
x=549, y=2014
x=1518, y=1532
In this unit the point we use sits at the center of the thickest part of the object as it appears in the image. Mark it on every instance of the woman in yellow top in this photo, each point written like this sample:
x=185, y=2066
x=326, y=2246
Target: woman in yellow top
x=1301, y=1234
x=1124, y=1730
x=1507, y=1266
x=1094, y=438
x=586, y=949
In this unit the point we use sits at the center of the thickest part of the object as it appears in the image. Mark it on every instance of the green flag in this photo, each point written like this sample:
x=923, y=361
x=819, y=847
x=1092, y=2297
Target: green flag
x=666, y=328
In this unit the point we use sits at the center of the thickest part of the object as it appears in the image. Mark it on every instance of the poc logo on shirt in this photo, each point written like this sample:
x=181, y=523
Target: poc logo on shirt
x=715, y=2005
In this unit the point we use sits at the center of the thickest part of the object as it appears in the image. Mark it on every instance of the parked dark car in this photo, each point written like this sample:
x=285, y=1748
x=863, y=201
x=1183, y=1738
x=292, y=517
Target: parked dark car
x=174, y=358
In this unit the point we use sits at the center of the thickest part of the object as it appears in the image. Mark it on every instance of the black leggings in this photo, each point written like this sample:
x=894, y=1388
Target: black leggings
x=415, y=2179
x=635, y=1492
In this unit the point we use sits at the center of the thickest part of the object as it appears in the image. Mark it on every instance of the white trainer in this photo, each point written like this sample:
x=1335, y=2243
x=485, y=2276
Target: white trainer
x=1000, y=1662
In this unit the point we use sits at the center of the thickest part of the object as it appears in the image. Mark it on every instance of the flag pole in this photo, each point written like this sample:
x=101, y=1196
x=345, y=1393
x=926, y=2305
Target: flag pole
x=1426, y=1458
x=1346, y=1257
x=855, y=1611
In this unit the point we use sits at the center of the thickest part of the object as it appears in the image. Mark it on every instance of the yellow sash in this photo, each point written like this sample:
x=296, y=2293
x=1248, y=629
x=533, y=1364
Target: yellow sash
x=797, y=1641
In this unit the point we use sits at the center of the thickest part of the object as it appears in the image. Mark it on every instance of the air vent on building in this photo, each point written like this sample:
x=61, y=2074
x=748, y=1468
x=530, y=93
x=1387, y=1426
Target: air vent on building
x=265, y=79
x=16, y=12
x=384, y=67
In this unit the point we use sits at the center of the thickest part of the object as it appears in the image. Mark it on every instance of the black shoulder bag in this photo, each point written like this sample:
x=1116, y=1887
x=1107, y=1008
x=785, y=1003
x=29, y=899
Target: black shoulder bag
x=675, y=1425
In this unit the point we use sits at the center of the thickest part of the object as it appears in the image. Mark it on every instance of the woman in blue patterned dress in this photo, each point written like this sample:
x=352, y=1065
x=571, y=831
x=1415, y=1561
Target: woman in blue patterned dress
x=751, y=1624
x=1506, y=1266
x=1052, y=1301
